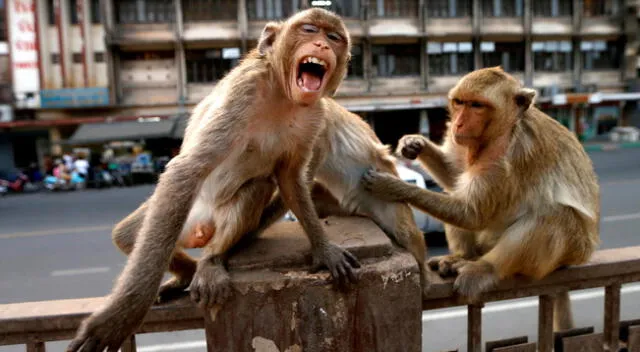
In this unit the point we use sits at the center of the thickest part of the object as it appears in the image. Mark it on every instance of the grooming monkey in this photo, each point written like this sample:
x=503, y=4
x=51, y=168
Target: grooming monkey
x=521, y=194
x=254, y=133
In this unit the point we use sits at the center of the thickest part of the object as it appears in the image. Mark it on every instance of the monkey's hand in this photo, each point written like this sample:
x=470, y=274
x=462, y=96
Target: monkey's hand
x=384, y=186
x=109, y=327
x=211, y=283
x=338, y=260
x=410, y=146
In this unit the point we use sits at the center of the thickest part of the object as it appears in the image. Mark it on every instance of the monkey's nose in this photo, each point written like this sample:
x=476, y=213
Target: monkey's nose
x=321, y=44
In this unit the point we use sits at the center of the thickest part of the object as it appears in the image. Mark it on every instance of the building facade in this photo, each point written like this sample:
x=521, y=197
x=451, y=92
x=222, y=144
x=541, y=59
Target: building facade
x=75, y=63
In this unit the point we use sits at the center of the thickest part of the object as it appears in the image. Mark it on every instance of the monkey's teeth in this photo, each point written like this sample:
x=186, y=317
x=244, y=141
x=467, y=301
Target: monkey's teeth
x=314, y=60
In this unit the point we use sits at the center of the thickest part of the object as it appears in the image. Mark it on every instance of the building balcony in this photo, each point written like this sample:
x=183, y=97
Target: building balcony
x=552, y=26
x=498, y=28
x=602, y=78
x=558, y=79
x=151, y=33
x=449, y=27
x=395, y=85
x=198, y=91
x=211, y=30
x=352, y=86
x=601, y=26
x=395, y=27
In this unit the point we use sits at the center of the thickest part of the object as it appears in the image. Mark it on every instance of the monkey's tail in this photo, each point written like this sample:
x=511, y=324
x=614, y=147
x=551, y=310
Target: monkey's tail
x=562, y=312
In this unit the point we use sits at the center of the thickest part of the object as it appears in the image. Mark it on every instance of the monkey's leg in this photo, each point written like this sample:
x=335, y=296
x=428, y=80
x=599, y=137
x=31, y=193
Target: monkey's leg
x=182, y=266
x=396, y=220
x=211, y=283
x=462, y=246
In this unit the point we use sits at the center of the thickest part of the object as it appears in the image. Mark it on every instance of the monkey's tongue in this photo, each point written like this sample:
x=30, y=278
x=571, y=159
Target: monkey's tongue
x=310, y=81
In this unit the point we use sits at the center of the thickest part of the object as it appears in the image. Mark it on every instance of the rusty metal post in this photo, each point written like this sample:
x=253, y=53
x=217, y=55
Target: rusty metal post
x=545, y=324
x=611, y=317
x=474, y=327
x=130, y=344
x=36, y=347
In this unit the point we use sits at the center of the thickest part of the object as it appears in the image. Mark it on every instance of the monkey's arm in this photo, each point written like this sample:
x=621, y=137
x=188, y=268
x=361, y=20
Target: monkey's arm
x=295, y=192
x=136, y=288
x=467, y=214
x=431, y=156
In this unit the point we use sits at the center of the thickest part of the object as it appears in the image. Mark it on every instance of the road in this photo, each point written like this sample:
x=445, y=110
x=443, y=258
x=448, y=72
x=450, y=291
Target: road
x=57, y=246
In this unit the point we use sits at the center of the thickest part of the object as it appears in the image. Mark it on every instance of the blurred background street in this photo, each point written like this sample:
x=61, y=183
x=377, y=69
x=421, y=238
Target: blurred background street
x=58, y=246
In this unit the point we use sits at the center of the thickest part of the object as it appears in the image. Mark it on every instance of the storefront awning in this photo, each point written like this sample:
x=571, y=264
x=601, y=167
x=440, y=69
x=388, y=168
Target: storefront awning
x=120, y=131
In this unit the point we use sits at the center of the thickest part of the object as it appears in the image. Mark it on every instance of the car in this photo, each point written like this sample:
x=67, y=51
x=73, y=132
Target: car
x=425, y=222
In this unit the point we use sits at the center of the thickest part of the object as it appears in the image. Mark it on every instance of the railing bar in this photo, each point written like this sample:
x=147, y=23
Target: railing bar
x=474, y=327
x=545, y=323
x=130, y=344
x=36, y=347
x=612, y=317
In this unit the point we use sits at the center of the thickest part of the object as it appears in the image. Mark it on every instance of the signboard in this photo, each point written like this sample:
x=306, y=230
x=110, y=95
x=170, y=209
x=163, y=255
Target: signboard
x=24, y=52
x=74, y=97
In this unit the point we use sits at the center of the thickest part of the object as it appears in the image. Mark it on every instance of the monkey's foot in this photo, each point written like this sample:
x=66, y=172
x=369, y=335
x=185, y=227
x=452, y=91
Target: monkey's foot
x=173, y=288
x=211, y=284
x=384, y=186
x=339, y=261
x=474, y=278
x=446, y=265
x=411, y=146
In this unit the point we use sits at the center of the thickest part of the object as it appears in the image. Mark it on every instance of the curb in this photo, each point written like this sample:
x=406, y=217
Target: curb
x=610, y=146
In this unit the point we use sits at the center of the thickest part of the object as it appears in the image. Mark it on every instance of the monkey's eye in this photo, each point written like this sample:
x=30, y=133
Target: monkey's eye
x=477, y=105
x=309, y=28
x=334, y=36
x=457, y=102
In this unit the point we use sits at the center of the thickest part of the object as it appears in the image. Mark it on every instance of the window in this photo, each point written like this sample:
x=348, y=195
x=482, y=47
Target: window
x=210, y=65
x=552, y=8
x=600, y=54
x=502, y=8
x=450, y=58
x=356, y=66
x=98, y=57
x=73, y=12
x=96, y=13
x=396, y=60
x=145, y=11
x=508, y=55
x=51, y=12
x=394, y=8
x=344, y=8
x=207, y=10
x=271, y=9
x=77, y=58
x=552, y=56
x=146, y=55
x=593, y=8
x=449, y=8
x=3, y=20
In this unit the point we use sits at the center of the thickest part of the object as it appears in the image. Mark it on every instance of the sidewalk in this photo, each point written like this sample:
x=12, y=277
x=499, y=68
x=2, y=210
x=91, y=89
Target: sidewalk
x=607, y=146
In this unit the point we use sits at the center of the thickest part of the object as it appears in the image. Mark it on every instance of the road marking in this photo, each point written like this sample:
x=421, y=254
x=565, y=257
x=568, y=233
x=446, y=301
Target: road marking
x=82, y=271
x=174, y=346
x=529, y=303
x=62, y=231
x=621, y=217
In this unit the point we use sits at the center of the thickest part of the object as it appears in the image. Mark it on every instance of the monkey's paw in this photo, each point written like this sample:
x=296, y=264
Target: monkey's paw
x=383, y=186
x=173, y=288
x=107, y=329
x=339, y=261
x=411, y=146
x=446, y=265
x=475, y=278
x=211, y=285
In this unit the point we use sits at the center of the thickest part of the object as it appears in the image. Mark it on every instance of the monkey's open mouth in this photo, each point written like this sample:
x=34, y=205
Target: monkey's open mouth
x=311, y=71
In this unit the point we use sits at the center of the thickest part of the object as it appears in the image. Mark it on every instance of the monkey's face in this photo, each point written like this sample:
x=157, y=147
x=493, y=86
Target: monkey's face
x=315, y=61
x=470, y=115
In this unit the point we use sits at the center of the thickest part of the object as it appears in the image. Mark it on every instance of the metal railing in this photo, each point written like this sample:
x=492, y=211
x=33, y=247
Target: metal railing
x=34, y=323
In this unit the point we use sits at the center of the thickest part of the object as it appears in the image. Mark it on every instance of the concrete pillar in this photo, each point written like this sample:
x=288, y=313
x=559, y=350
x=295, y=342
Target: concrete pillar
x=84, y=22
x=44, y=52
x=476, y=22
x=577, y=54
x=111, y=56
x=290, y=309
x=368, y=62
x=54, y=139
x=527, y=20
x=424, y=64
x=180, y=59
x=424, y=123
x=243, y=25
x=62, y=24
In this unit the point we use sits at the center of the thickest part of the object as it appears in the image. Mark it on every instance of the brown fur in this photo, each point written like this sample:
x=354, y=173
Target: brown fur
x=254, y=133
x=522, y=196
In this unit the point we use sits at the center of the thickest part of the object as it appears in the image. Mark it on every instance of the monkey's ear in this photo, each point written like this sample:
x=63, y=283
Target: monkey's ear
x=268, y=36
x=524, y=98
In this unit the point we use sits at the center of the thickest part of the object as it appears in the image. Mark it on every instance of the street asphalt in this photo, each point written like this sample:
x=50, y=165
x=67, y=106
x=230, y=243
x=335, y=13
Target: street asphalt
x=58, y=246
